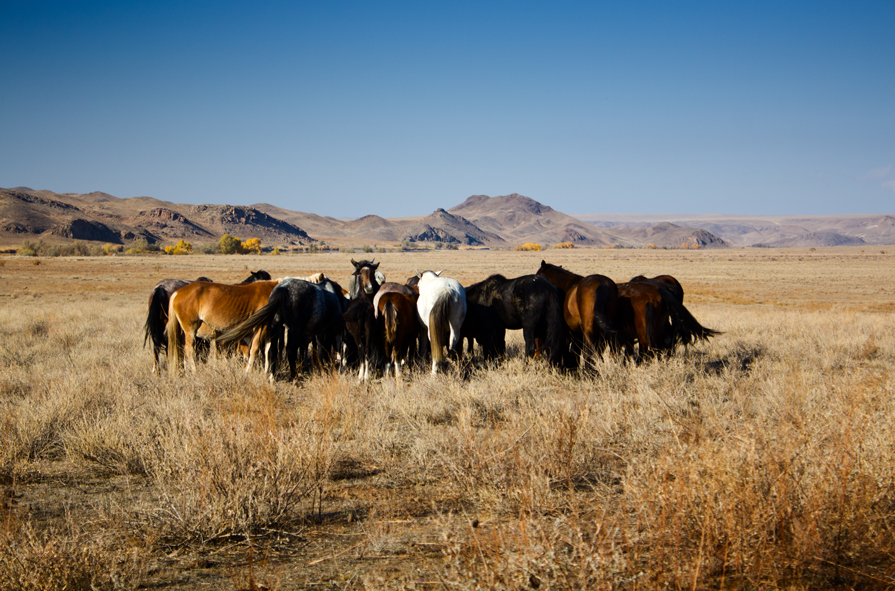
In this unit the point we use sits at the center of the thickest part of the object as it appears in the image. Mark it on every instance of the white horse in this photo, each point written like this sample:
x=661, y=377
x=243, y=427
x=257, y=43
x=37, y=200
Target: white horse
x=441, y=308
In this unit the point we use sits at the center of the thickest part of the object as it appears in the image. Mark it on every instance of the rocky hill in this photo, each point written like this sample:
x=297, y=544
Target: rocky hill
x=480, y=220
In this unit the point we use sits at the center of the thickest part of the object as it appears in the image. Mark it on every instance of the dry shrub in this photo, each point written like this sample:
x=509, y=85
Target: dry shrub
x=67, y=560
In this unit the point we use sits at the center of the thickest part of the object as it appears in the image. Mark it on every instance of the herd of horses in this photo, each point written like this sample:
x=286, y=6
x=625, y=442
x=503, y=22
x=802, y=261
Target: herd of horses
x=376, y=326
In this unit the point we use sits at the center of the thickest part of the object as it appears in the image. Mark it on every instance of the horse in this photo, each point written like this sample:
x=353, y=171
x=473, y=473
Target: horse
x=399, y=326
x=301, y=312
x=361, y=325
x=651, y=312
x=666, y=281
x=216, y=305
x=530, y=303
x=157, y=317
x=363, y=280
x=442, y=309
x=589, y=307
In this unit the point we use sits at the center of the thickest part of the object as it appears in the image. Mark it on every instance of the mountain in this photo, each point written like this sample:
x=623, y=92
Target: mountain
x=668, y=235
x=25, y=213
x=744, y=230
x=519, y=219
x=441, y=226
x=497, y=222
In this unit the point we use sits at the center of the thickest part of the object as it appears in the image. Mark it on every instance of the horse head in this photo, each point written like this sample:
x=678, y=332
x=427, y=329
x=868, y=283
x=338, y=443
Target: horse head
x=364, y=278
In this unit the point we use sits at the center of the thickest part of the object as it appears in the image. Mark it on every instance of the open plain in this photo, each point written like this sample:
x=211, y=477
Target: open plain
x=762, y=459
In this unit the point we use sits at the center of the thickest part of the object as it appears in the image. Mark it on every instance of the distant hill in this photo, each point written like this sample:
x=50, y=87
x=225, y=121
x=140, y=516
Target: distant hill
x=519, y=219
x=497, y=222
x=766, y=230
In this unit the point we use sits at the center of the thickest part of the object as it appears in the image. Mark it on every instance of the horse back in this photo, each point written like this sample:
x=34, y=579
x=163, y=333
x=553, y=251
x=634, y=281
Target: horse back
x=219, y=305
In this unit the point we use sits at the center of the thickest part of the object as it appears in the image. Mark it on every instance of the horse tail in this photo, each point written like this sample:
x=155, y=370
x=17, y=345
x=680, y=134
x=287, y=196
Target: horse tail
x=686, y=329
x=605, y=302
x=174, y=331
x=438, y=327
x=390, y=315
x=261, y=318
x=156, y=319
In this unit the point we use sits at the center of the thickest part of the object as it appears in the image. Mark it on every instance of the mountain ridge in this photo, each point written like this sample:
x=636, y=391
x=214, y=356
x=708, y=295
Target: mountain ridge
x=478, y=221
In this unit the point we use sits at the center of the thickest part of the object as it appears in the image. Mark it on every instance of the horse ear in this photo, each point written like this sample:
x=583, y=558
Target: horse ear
x=418, y=274
x=543, y=262
x=376, y=266
x=354, y=262
x=438, y=273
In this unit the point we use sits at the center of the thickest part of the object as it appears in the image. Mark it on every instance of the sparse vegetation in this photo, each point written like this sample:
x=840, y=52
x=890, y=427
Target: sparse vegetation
x=764, y=459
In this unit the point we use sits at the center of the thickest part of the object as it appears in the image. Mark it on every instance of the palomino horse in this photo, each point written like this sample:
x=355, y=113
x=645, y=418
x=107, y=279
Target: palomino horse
x=530, y=303
x=157, y=318
x=442, y=309
x=363, y=280
x=304, y=312
x=589, y=307
x=216, y=305
x=399, y=326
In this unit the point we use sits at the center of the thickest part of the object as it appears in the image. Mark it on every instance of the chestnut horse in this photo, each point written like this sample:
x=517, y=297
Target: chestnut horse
x=157, y=318
x=399, y=326
x=219, y=307
x=589, y=308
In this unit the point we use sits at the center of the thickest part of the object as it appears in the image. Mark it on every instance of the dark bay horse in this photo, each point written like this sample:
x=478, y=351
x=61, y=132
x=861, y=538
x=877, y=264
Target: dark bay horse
x=530, y=303
x=303, y=313
x=216, y=305
x=362, y=327
x=400, y=328
x=363, y=280
x=157, y=317
x=652, y=314
x=589, y=307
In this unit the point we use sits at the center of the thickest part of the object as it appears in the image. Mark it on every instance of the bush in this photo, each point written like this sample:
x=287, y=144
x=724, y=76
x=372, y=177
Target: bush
x=251, y=246
x=529, y=246
x=26, y=252
x=367, y=248
x=564, y=245
x=312, y=248
x=180, y=248
x=230, y=244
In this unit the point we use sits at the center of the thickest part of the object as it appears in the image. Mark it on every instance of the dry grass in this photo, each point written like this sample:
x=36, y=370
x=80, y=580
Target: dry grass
x=764, y=459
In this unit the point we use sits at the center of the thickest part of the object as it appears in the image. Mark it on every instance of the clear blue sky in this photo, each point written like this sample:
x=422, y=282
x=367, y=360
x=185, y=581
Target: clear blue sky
x=397, y=108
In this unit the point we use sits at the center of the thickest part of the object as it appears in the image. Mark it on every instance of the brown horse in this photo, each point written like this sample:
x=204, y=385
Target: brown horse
x=651, y=312
x=157, y=317
x=399, y=327
x=364, y=281
x=219, y=307
x=589, y=308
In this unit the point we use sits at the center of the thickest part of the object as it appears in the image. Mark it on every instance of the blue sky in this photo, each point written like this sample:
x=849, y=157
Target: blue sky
x=398, y=108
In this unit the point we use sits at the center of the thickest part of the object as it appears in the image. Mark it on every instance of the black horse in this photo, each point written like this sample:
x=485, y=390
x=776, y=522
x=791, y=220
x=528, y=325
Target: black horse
x=361, y=325
x=157, y=318
x=297, y=314
x=530, y=303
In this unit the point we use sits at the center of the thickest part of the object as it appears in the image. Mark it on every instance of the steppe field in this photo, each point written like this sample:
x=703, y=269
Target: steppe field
x=763, y=459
